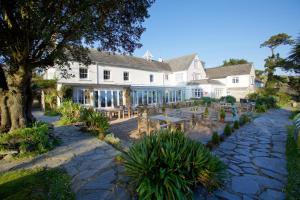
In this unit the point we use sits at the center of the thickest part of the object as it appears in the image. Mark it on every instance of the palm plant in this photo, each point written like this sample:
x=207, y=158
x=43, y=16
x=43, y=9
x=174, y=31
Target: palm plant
x=166, y=165
x=294, y=57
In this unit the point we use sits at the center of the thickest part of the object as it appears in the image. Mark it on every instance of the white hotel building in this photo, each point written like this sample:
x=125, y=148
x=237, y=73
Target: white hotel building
x=102, y=84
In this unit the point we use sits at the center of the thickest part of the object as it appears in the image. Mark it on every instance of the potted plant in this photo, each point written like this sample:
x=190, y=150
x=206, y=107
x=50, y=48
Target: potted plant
x=222, y=115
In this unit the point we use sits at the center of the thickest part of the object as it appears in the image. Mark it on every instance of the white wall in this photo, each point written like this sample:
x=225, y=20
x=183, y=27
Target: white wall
x=199, y=70
x=95, y=76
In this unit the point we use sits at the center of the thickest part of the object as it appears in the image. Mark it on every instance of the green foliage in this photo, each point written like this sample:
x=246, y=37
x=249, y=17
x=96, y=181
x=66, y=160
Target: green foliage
x=215, y=138
x=233, y=61
x=204, y=101
x=28, y=141
x=277, y=40
x=294, y=114
x=222, y=114
x=36, y=183
x=66, y=92
x=293, y=61
x=293, y=166
x=51, y=112
x=228, y=99
x=166, y=165
x=265, y=101
x=206, y=112
x=42, y=84
x=110, y=138
x=283, y=98
x=95, y=121
x=236, y=125
x=261, y=108
x=227, y=130
x=244, y=118
x=70, y=112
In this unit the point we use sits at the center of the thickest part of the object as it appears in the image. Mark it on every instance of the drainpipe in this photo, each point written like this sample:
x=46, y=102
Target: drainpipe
x=97, y=74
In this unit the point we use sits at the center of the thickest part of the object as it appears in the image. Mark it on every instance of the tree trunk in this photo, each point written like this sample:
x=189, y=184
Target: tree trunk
x=4, y=112
x=16, y=104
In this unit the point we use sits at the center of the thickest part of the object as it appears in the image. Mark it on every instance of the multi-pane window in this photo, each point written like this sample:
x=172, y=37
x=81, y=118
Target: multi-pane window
x=83, y=73
x=235, y=80
x=197, y=93
x=151, y=78
x=166, y=76
x=126, y=76
x=252, y=80
x=84, y=97
x=106, y=74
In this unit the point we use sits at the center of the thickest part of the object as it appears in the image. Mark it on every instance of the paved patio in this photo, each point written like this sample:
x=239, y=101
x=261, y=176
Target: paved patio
x=255, y=155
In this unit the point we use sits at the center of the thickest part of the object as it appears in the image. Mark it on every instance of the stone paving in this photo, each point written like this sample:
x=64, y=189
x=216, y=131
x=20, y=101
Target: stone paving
x=89, y=161
x=255, y=155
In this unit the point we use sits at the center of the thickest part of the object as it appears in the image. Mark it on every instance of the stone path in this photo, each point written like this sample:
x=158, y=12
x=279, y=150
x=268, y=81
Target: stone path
x=255, y=155
x=89, y=161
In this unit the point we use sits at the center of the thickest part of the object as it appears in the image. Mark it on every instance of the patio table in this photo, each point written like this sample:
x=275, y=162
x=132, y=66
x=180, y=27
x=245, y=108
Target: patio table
x=170, y=120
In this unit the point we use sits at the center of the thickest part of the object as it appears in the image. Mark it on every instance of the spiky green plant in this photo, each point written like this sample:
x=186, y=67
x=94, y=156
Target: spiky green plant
x=236, y=125
x=215, y=138
x=227, y=130
x=166, y=165
x=70, y=111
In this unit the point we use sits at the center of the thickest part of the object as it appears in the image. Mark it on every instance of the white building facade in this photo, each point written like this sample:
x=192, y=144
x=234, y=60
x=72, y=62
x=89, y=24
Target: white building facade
x=103, y=83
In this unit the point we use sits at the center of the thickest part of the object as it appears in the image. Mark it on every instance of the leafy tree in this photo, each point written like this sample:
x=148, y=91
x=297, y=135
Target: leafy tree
x=276, y=40
x=293, y=61
x=274, y=61
x=233, y=61
x=38, y=34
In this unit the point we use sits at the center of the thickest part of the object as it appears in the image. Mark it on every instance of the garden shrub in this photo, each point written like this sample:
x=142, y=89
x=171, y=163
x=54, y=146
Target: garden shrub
x=167, y=165
x=228, y=99
x=206, y=112
x=227, y=130
x=70, y=112
x=222, y=115
x=215, y=138
x=267, y=101
x=244, y=118
x=95, y=121
x=110, y=138
x=283, y=98
x=27, y=141
x=236, y=125
x=261, y=108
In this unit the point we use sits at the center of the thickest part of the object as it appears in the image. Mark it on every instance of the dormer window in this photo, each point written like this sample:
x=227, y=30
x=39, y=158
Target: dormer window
x=83, y=73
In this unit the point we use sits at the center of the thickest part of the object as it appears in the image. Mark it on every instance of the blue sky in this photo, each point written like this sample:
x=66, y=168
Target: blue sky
x=218, y=29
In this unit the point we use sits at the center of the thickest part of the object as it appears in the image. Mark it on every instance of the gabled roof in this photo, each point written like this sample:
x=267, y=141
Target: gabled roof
x=126, y=61
x=181, y=63
x=231, y=70
x=205, y=81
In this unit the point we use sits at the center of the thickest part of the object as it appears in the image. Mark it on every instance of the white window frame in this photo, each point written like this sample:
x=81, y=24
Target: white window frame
x=125, y=76
x=167, y=77
x=235, y=80
x=197, y=92
x=87, y=73
x=109, y=75
x=251, y=80
x=151, y=77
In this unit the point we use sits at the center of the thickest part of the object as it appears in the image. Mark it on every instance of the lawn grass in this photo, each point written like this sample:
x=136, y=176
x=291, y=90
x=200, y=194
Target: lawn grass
x=293, y=166
x=35, y=184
